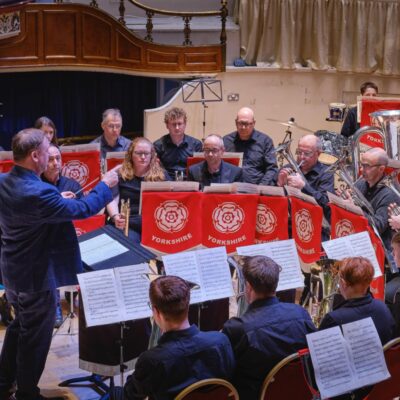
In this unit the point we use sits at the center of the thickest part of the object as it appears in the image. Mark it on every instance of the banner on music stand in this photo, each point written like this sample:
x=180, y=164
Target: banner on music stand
x=272, y=219
x=114, y=158
x=370, y=105
x=171, y=222
x=83, y=166
x=6, y=165
x=306, y=228
x=229, y=220
x=345, y=223
x=90, y=224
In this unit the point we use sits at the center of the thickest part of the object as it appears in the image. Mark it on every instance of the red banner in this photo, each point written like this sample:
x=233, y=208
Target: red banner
x=306, y=229
x=229, y=220
x=345, y=223
x=113, y=162
x=272, y=219
x=370, y=105
x=83, y=166
x=171, y=222
x=6, y=165
x=83, y=226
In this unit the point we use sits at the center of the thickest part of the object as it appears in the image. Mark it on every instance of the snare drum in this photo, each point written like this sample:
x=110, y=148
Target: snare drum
x=337, y=111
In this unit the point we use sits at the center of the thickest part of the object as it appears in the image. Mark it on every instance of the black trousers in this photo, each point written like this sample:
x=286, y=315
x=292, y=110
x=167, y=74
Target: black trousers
x=27, y=342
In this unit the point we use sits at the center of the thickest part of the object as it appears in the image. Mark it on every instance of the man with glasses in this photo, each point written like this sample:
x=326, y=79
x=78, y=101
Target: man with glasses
x=174, y=148
x=184, y=355
x=317, y=180
x=374, y=189
x=214, y=169
x=259, y=160
x=111, y=139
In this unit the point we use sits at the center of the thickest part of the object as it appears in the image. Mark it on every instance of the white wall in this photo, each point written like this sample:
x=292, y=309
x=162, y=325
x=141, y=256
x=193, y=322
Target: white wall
x=304, y=95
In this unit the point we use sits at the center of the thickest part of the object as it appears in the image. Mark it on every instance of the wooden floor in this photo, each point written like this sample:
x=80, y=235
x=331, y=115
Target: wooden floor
x=62, y=364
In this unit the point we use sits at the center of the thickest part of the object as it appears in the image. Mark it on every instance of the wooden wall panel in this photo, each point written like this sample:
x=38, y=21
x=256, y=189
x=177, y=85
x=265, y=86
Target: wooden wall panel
x=83, y=37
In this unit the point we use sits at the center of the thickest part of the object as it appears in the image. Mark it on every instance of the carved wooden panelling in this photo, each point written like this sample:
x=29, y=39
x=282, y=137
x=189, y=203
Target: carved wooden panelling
x=81, y=36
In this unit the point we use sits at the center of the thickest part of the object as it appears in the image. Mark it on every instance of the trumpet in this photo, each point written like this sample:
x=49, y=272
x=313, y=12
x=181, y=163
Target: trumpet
x=125, y=211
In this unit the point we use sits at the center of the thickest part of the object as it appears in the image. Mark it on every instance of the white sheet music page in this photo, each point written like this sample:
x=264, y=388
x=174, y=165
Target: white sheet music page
x=184, y=265
x=100, y=248
x=331, y=361
x=284, y=253
x=133, y=286
x=356, y=245
x=100, y=299
x=214, y=273
x=370, y=365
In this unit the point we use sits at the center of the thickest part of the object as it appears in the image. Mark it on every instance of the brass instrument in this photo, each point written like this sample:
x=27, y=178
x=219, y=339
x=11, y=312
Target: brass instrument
x=125, y=211
x=284, y=151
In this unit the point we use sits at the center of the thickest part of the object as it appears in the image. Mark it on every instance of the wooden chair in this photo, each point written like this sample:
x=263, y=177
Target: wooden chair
x=286, y=381
x=209, y=389
x=390, y=388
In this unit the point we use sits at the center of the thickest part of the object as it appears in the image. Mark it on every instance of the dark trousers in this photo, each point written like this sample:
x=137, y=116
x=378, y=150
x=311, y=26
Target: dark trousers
x=27, y=342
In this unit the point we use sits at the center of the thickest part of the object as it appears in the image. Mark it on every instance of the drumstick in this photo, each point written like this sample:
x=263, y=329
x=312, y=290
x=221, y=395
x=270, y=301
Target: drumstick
x=86, y=186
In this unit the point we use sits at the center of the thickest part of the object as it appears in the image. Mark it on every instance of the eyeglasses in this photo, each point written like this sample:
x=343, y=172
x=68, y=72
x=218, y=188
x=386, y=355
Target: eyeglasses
x=114, y=126
x=367, y=166
x=142, y=154
x=211, y=151
x=304, y=153
x=245, y=124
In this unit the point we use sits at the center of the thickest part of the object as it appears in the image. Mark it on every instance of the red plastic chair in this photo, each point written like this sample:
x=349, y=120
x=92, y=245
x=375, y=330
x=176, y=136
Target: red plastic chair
x=209, y=389
x=390, y=388
x=286, y=381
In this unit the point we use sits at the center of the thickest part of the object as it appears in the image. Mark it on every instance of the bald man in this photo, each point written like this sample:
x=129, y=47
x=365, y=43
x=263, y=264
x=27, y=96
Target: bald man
x=259, y=160
x=371, y=185
x=318, y=182
x=214, y=169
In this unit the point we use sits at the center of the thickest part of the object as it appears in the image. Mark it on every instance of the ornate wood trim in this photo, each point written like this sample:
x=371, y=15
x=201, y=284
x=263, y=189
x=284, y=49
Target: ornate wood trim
x=75, y=35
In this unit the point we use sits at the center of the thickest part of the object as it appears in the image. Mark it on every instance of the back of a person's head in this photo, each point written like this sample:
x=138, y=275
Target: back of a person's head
x=26, y=141
x=356, y=271
x=262, y=273
x=171, y=296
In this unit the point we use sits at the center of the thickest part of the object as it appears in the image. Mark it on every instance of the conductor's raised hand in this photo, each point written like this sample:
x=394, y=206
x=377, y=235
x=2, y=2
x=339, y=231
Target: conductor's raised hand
x=110, y=178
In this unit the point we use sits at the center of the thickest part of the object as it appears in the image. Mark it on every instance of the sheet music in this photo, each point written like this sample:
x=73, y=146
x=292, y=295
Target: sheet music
x=284, y=253
x=215, y=273
x=184, y=265
x=133, y=287
x=341, y=363
x=370, y=366
x=356, y=245
x=100, y=248
x=100, y=298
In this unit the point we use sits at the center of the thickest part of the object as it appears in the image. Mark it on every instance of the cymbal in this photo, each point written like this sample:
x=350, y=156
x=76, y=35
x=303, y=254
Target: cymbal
x=290, y=124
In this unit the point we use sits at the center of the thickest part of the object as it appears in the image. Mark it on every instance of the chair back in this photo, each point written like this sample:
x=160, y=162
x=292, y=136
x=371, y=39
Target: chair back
x=209, y=389
x=286, y=381
x=390, y=388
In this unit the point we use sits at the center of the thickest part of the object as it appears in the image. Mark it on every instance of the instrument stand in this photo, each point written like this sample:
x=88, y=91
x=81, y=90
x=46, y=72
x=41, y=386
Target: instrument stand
x=70, y=316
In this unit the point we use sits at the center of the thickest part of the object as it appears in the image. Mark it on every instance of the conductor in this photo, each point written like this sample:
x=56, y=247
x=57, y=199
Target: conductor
x=39, y=253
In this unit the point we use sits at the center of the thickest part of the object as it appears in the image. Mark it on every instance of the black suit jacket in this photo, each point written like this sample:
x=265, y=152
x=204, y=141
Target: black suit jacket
x=227, y=173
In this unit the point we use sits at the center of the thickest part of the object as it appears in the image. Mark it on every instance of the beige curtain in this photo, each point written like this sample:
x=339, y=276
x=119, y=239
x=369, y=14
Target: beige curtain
x=349, y=35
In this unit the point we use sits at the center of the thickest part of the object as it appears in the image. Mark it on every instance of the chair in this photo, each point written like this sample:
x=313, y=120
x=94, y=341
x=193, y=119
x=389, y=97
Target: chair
x=209, y=389
x=390, y=388
x=286, y=381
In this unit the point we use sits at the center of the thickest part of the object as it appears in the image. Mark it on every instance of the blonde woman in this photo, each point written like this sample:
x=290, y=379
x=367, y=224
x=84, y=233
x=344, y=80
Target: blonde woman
x=140, y=165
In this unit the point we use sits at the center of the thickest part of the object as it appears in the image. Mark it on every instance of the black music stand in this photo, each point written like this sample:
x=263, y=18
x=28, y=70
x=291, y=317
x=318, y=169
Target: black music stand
x=202, y=90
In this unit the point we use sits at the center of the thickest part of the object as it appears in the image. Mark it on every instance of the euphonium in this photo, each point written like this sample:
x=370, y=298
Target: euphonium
x=125, y=211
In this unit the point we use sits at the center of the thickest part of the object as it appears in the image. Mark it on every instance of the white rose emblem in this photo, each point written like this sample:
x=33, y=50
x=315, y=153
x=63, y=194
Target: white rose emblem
x=79, y=231
x=77, y=170
x=304, y=225
x=171, y=216
x=266, y=220
x=228, y=217
x=344, y=227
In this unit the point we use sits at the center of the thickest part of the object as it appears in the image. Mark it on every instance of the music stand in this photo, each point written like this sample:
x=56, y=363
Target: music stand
x=70, y=316
x=202, y=90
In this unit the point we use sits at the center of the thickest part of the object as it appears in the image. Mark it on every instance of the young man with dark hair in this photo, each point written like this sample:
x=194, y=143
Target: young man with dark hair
x=184, y=355
x=268, y=331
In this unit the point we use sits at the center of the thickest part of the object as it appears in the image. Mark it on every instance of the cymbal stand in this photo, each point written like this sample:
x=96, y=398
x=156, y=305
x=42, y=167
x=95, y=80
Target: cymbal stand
x=70, y=316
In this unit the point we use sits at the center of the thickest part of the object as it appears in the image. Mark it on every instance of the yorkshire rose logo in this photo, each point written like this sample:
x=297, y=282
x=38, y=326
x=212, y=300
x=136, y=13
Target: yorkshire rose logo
x=304, y=225
x=171, y=216
x=266, y=220
x=77, y=170
x=344, y=227
x=228, y=217
x=79, y=231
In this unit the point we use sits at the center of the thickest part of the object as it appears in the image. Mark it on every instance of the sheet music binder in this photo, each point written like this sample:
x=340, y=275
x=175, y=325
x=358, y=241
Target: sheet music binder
x=137, y=254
